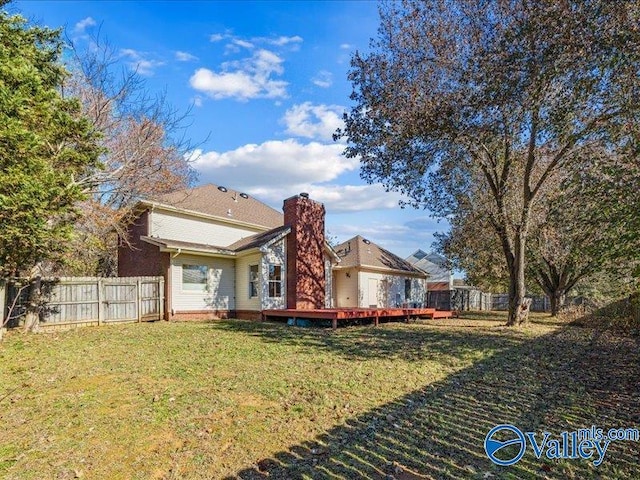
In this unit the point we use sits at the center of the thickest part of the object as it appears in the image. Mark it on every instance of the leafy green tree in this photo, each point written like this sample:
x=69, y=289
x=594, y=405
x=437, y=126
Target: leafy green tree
x=458, y=97
x=472, y=246
x=581, y=231
x=45, y=146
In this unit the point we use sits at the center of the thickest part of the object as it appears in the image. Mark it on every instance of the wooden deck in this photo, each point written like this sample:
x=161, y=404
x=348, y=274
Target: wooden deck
x=344, y=314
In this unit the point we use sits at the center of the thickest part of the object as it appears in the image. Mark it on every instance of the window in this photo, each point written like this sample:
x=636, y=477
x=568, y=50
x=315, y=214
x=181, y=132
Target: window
x=194, y=277
x=407, y=289
x=253, y=281
x=275, y=281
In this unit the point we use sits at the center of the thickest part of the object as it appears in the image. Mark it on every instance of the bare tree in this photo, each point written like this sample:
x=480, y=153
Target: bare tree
x=144, y=143
x=461, y=96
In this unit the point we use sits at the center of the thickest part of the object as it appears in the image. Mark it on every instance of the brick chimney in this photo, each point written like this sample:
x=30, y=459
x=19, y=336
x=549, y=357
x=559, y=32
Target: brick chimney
x=305, y=252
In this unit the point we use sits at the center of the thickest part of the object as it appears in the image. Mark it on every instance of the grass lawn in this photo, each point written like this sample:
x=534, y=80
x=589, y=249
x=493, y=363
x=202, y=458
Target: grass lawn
x=238, y=399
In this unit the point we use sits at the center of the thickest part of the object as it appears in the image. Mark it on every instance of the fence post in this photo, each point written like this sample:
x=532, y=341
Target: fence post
x=139, y=299
x=3, y=303
x=161, y=298
x=100, y=296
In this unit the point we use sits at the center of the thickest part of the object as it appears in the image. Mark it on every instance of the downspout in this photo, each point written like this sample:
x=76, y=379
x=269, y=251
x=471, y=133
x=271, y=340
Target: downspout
x=149, y=221
x=170, y=284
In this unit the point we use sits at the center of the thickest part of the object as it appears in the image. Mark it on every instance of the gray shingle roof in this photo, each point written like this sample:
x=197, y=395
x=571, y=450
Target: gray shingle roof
x=229, y=204
x=258, y=239
x=178, y=244
x=358, y=252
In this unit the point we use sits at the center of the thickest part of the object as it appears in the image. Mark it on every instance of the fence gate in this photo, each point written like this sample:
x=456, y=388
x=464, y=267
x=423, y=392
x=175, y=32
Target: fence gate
x=119, y=302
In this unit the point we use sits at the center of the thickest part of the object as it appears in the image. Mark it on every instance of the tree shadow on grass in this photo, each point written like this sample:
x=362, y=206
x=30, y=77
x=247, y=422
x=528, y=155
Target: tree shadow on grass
x=398, y=340
x=566, y=380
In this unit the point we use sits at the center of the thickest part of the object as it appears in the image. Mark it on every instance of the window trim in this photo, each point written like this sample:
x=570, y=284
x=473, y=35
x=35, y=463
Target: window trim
x=274, y=282
x=204, y=285
x=256, y=281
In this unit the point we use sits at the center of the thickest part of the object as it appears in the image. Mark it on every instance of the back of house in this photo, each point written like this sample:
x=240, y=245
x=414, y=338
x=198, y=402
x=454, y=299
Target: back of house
x=224, y=253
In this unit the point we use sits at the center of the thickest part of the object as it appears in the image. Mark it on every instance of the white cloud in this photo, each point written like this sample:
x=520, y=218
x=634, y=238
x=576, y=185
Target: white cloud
x=217, y=37
x=323, y=79
x=313, y=121
x=292, y=42
x=283, y=40
x=237, y=44
x=242, y=43
x=277, y=169
x=336, y=198
x=374, y=230
x=345, y=54
x=185, y=57
x=243, y=80
x=354, y=198
x=224, y=85
x=83, y=24
x=138, y=62
x=275, y=163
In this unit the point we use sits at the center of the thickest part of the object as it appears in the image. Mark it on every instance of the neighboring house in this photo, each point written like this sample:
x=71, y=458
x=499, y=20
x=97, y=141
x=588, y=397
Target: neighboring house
x=439, y=276
x=370, y=276
x=224, y=253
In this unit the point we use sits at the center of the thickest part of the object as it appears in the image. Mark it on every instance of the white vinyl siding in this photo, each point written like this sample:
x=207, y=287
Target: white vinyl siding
x=243, y=299
x=176, y=226
x=388, y=290
x=346, y=288
x=218, y=293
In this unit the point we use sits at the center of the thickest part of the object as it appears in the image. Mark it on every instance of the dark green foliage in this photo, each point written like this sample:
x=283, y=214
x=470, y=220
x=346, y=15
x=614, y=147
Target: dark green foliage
x=45, y=144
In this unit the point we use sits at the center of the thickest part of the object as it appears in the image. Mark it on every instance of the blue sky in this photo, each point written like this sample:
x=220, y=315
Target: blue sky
x=268, y=85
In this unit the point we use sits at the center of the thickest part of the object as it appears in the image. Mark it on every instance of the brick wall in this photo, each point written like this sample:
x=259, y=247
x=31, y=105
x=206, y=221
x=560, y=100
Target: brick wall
x=137, y=258
x=305, y=253
x=199, y=315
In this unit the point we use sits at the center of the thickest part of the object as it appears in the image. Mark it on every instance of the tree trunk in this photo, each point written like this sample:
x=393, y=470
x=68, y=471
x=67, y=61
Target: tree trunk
x=518, y=305
x=557, y=299
x=32, y=314
x=523, y=311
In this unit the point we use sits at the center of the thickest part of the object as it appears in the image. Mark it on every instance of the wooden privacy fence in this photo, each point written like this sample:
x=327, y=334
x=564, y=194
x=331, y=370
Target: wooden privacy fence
x=539, y=303
x=460, y=299
x=464, y=298
x=89, y=300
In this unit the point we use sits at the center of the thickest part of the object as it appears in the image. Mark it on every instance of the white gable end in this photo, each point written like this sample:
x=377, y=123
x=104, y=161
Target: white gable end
x=178, y=226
